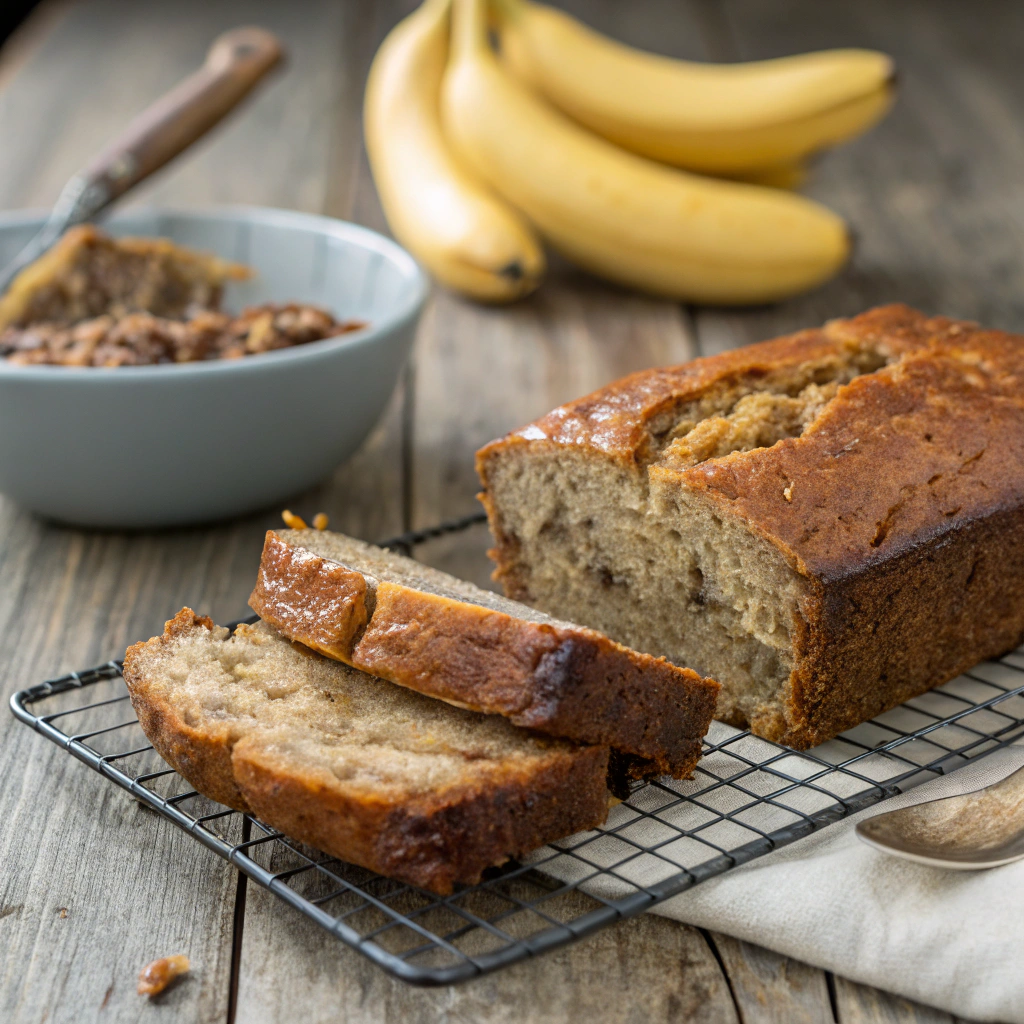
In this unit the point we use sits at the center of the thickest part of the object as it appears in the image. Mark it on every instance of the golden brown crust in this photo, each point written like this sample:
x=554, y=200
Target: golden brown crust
x=902, y=504
x=440, y=840
x=954, y=392
x=873, y=640
x=568, y=682
x=946, y=422
x=320, y=603
x=435, y=839
x=622, y=419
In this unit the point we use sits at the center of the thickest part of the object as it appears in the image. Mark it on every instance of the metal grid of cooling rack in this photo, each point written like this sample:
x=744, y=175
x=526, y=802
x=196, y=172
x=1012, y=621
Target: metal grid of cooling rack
x=748, y=797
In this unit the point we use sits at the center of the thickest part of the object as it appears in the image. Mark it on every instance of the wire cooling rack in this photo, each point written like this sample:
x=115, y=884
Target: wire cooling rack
x=748, y=797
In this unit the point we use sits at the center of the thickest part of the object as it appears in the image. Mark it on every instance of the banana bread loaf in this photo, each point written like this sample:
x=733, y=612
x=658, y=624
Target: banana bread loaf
x=369, y=772
x=828, y=523
x=399, y=619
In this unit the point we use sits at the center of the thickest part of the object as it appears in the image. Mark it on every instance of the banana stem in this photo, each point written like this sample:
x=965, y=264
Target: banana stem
x=469, y=27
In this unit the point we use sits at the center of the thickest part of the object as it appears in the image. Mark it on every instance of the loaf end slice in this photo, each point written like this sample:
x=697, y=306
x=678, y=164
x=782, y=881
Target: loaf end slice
x=423, y=629
x=371, y=773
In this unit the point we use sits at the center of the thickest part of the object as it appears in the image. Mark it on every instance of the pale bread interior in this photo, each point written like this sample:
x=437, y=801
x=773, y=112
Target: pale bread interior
x=321, y=718
x=380, y=565
x=625, y=549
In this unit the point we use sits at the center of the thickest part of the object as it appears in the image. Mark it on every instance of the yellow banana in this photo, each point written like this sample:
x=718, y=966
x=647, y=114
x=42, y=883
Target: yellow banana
x=453, y=223
x=713, y=118
x=620, y=215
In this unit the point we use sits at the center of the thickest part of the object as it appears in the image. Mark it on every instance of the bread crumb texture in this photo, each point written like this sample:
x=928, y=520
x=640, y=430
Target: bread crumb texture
x=416, y=626
x=374, y=773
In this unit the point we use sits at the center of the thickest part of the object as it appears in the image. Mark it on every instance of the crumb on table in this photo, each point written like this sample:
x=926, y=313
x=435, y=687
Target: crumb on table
x=156, y=976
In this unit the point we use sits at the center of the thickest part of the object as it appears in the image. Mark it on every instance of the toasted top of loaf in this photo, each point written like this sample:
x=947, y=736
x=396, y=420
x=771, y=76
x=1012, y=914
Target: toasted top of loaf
x=842, y=445
x=88, y=273
x=421, y=628
x=373, y=773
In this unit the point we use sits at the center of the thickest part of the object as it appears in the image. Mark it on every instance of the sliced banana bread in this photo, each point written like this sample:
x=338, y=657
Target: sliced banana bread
x=371, y=773
x=88, y=273
x=421, y=628
x=828, y=523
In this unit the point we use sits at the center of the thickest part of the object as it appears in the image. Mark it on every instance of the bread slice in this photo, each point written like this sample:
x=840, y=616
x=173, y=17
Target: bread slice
x=89, y=273
x=828, y=523
x=423, y=629
x=371, y=773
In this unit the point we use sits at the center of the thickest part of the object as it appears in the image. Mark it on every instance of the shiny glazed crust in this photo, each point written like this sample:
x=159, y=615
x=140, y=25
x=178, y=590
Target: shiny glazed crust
x=434, y=839
x=565, y=681
x=901, y=505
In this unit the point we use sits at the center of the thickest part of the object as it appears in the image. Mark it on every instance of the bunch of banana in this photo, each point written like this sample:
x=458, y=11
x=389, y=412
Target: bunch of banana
x=572, y=136
x=726, y=119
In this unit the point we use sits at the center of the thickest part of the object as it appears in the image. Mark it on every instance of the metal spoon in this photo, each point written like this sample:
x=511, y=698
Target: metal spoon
x=970, y=832
x=236, y=61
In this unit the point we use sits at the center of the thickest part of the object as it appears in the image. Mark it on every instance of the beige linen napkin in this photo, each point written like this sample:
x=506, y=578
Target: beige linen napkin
x=950, y=939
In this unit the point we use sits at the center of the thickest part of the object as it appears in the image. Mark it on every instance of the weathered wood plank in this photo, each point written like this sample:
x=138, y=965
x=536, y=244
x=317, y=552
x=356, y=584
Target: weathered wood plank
x=931, y=192
x=647, y=969
x=772, y=989
x=861, y=1004
x=274, y=151
x=131, y=886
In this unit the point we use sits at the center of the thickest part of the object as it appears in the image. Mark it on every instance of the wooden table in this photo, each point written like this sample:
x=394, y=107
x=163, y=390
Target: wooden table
x=92, y=886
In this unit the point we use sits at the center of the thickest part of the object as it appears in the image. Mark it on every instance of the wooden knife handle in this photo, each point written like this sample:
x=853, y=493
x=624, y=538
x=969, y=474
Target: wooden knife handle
x=237, y=60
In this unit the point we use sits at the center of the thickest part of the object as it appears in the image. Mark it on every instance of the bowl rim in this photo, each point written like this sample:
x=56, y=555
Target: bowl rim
x=356, y=234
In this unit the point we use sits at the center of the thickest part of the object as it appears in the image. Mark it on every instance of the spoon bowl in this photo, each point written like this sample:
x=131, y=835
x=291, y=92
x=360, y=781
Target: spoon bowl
x=970, y=832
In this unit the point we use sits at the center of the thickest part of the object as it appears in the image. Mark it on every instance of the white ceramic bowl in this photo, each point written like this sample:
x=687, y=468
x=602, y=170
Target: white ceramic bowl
x=150, y=446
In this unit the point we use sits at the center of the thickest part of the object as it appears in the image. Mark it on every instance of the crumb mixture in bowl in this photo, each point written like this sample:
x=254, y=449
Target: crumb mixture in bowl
x=94, y=300
x=142, y=339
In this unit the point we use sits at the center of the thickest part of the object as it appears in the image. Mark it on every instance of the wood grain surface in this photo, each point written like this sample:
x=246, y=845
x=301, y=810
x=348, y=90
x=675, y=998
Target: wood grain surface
x=93, y=886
